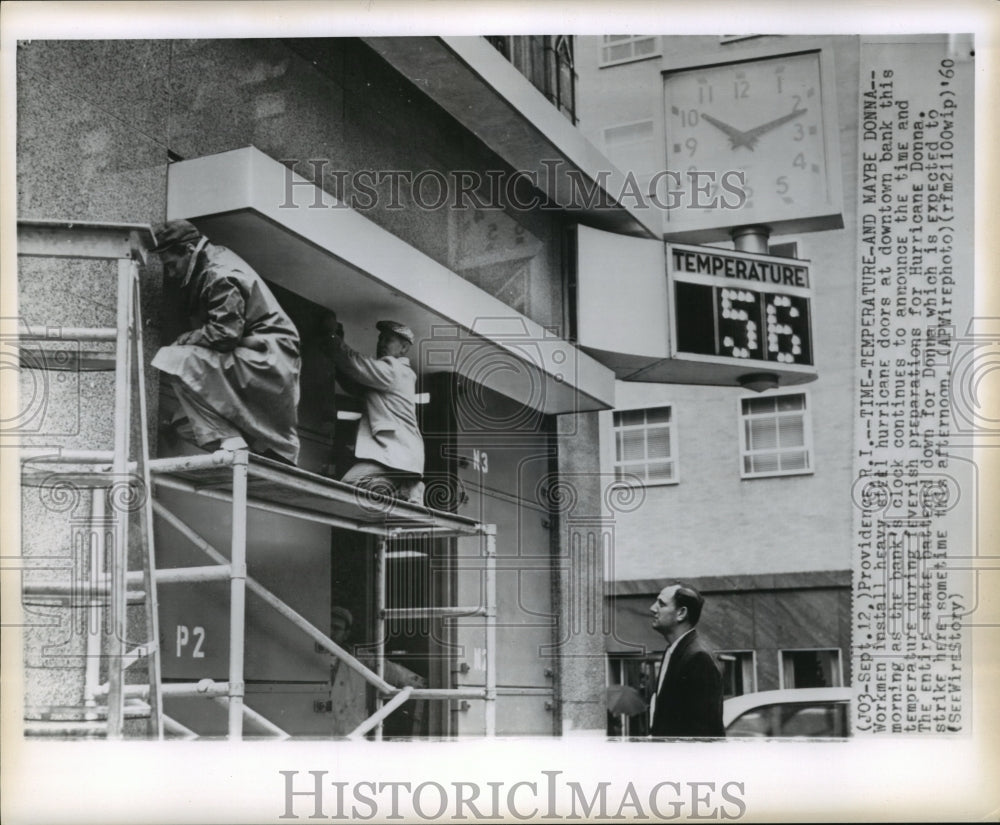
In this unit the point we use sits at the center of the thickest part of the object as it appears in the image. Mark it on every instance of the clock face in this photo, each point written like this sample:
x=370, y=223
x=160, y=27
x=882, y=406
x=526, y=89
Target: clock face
x=764, y=118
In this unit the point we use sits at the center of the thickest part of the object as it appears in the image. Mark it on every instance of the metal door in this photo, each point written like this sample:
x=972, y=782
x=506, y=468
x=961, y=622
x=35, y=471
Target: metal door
x=290, y=557
x=505, y=486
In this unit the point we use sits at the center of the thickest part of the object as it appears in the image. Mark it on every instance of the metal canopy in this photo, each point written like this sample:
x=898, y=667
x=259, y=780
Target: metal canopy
x=338, y=258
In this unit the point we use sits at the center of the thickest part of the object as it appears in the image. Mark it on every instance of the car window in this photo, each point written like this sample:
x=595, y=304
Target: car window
x=809, y=720
x=820, y=719
x=756, y=722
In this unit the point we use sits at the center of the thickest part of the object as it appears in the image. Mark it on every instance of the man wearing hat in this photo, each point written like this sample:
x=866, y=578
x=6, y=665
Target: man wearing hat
x=389, y=451
x=236, y=372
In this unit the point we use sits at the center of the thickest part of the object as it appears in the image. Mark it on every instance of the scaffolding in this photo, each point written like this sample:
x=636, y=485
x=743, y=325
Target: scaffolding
x=246, y=481
x=238, y=478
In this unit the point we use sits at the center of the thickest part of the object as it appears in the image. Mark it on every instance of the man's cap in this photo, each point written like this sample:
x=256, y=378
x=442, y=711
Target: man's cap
x=342, y=613
x=395, y=328
x=170, y=233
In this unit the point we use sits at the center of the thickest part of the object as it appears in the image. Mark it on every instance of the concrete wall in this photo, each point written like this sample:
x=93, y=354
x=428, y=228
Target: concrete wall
x=579, y=595
x=712, y=522
x=90, y=144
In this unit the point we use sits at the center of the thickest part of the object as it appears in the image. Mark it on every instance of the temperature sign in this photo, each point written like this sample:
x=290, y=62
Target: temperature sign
x=739, y=306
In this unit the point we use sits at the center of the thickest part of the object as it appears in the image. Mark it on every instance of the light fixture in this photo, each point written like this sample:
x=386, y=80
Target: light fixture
x=759, y=381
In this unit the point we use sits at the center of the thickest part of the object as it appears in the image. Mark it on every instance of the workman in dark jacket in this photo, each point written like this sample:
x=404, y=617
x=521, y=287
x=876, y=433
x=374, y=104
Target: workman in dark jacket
x=236, y=372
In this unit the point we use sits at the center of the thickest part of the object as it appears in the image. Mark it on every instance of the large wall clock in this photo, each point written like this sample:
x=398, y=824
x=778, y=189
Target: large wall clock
x=771, y=118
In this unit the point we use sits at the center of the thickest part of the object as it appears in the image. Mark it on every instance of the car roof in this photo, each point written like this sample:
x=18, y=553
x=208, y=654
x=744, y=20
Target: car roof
x=737, y=705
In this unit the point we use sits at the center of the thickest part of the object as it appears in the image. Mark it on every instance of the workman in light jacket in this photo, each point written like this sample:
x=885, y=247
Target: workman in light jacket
x=389, y=451
x=236, y=372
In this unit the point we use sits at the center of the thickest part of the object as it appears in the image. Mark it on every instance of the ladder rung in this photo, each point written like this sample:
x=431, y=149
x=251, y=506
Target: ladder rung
x=449, y=693
x=47, y=455
x=71, y=360
x=187, y=463
x=65, y=728
x=69, y=334
x=171, y=575
x=431, y=612
x=81, y=727
x=64, y=713
x=83, y=239
x=81, y=591
x=90, y=478
x=205, y=688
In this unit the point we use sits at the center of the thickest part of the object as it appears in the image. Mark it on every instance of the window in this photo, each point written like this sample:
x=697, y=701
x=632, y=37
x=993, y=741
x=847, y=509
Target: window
x=644, y=446
x=776, y=436
x=811, y=668
x=739, y=672
x=565, y=77
x=620, y=48
x=547, y=61
x=631, y=684
x=632, y=148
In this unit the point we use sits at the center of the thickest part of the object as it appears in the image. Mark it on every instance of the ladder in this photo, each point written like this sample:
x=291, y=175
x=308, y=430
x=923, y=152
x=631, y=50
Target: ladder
x=106, y=587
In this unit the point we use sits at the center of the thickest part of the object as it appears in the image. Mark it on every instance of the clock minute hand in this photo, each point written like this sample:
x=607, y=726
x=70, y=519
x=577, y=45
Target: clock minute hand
x=750, y=136
x=736, y=137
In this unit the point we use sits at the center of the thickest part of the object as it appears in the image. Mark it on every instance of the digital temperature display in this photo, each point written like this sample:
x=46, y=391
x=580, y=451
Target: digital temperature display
x=742, y=323
x=741, y=306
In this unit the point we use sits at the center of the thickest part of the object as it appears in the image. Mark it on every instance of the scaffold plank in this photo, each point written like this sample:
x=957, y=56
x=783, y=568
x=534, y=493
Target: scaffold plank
x=299, y=493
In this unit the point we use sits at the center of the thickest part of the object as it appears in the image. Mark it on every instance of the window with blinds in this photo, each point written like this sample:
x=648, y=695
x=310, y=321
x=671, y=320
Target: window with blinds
x=739, y=672
x=644, y=446
x=776, y=437
x=620, y=48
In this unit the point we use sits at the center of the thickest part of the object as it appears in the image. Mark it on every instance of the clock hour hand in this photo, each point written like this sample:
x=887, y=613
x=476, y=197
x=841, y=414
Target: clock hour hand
x=750, y=136
x=736, y=137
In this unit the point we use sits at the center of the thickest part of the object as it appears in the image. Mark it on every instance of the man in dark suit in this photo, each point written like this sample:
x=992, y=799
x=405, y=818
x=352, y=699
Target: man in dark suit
x=689, y=686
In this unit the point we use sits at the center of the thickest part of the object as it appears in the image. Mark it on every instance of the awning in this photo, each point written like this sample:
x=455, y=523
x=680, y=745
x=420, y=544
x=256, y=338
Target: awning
x=338, y=258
